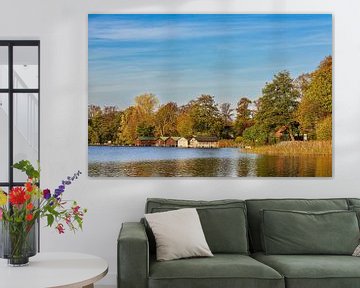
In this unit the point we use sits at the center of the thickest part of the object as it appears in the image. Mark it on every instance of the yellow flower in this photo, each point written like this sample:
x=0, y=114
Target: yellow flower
x=3, y=198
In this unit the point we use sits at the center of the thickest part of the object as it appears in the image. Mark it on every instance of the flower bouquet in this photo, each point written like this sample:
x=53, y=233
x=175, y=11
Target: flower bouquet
x=21, y=208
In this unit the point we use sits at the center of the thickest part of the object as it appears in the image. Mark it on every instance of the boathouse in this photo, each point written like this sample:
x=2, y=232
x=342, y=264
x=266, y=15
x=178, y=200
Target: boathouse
x=183, y=142
x=204, y=142
x=161, y=141
x=145, y=141
x=172, y=142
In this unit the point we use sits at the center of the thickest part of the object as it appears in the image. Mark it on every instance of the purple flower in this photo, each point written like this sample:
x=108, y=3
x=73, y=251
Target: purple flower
x=64, y=183
x=58, y=192
x=46, y=194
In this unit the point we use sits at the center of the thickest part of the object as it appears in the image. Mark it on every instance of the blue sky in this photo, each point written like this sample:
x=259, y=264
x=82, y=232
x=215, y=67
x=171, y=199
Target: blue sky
x=179, y=57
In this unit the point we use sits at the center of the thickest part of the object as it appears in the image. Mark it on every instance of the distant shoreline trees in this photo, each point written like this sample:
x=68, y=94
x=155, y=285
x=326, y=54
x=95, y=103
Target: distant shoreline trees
x=288, y=107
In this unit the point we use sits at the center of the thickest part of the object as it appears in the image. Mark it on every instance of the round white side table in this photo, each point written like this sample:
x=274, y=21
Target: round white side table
x=50, y=270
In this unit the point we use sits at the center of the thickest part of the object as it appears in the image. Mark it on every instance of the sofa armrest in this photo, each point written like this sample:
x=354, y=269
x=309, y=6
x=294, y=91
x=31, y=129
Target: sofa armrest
x=133, y=256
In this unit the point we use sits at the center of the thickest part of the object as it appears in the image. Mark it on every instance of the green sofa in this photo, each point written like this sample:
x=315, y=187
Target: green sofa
x=233, y=230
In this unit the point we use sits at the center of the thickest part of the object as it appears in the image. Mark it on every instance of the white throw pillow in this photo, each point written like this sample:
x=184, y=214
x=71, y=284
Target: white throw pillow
x=178, y=234
x=357, y=251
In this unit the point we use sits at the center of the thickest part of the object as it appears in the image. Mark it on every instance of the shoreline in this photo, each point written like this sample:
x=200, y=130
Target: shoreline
x=293, y=148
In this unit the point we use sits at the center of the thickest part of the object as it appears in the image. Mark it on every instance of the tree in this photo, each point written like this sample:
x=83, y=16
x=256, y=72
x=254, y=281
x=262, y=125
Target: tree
x=255, y=135
x=226, y=113
x=128, y=126
x=324, y=129
x=93, y=137
x=93, y=111
x=94, y=119
x=206, y=116
x=184, y=125
x=278, y=104
x=103, y=124
x=316, y=103
x=243, y=116
x=145, y=104
x=166, y=119
x=302, y=83
x=138, y=119
x=145, y=130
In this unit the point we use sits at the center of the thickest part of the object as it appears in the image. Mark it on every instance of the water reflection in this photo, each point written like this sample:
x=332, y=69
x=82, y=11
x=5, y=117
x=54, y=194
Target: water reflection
x=294, y=166
x=220, y=164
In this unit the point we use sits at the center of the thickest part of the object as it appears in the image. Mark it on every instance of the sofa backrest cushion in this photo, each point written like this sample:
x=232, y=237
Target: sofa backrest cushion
x=353, y=202
x=223, y=221
x=297, y=232
x=354, y=205
x=256, y=205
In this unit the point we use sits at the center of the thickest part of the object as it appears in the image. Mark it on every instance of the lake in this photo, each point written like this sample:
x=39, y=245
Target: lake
x=114, y=161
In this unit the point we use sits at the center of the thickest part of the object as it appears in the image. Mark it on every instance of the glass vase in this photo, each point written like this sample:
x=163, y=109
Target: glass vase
x=18, y=242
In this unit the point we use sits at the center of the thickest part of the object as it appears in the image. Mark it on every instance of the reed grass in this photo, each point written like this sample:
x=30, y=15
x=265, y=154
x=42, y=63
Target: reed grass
x=227, y=143
x=294, y=148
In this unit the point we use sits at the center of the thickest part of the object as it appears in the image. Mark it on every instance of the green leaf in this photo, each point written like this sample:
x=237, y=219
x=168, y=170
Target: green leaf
x=50, y=219
x=26, y=167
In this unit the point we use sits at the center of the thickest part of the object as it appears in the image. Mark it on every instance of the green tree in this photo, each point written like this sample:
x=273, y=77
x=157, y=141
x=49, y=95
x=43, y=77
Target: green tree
x=93, y=137
x=316, y=103
x=243, y=116
x=206, y=116
x=227, y=114
x=255, y=135
x=103, y=124
x=278, y=103
x=145, y=130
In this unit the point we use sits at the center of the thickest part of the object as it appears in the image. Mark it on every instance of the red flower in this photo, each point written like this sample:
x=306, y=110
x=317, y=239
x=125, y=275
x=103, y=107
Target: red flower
x=29, y=206
x=27, y=196
x=68, y=219
x=75, y=209
x=29, y=217
x=17, y=196
x=29, y=186
x=60, y=228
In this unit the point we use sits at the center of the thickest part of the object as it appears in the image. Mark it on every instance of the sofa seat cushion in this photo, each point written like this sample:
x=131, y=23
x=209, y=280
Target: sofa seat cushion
x=313, y=271
x=222, y=270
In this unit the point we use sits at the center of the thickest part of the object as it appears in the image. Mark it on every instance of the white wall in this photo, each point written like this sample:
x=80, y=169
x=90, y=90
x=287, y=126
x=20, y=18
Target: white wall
x=61, y=25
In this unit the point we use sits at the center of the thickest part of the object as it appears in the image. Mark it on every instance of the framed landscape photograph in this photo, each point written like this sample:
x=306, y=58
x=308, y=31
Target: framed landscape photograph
x=210, y=95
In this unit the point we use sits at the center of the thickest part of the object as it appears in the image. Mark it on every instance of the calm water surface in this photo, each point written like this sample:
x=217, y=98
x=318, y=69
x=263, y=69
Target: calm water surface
x=107, y=161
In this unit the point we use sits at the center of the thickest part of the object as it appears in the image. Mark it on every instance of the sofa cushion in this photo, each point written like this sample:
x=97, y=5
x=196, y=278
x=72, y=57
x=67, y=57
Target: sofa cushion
x=353, y=201
x=178, y=234
x=223, y=221
x=297, y=232
x=222, y=270
x=254, y=206
x=356, y=209
x=313, y=271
